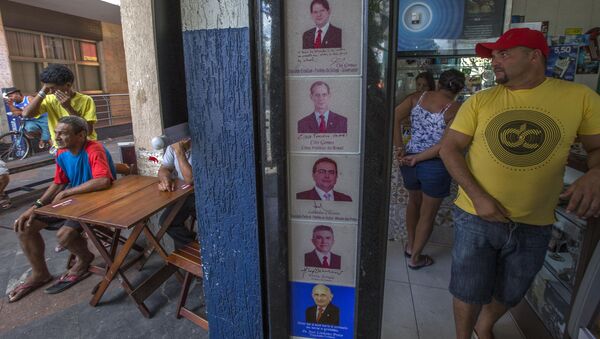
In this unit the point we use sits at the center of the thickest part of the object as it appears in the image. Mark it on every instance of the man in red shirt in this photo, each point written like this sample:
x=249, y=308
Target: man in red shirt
x=81, y=166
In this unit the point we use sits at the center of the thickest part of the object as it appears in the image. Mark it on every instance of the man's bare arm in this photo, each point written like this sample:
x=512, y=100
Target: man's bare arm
x=452, y=152
x=584, y=193
x=51, y=192
x=179, y=148
x=33, y=109
x=166, y=183
x=24, y=220
x=92, y=185
x=13, y=109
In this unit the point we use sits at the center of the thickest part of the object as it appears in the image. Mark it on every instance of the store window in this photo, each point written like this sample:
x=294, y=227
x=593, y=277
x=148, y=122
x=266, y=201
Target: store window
x=30, y=52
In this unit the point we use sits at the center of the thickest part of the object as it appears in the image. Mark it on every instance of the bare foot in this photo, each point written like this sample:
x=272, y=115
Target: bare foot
x=38, y=279
x=81, y=264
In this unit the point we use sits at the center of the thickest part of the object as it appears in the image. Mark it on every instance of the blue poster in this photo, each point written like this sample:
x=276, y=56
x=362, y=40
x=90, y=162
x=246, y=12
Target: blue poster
x=322, y=311
x=422, y=22
x=562, y=61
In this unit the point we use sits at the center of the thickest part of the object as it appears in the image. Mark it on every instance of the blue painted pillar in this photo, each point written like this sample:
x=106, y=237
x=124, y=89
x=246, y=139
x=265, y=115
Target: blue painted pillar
x=216, y=42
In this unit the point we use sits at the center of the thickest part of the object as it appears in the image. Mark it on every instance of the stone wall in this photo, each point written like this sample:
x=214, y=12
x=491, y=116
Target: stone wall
x=140, y=55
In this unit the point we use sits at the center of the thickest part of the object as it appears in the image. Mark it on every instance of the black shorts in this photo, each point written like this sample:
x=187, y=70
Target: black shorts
x=54, y=224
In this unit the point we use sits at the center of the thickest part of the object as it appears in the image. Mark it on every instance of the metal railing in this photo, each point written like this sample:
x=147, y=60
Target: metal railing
x=112, y=109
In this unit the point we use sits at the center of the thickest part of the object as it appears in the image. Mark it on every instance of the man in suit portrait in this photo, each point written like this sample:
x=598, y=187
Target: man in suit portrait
x=324, y=34
x=322, y=120
x=324, y=312
x=322, y=256
x=325, y=176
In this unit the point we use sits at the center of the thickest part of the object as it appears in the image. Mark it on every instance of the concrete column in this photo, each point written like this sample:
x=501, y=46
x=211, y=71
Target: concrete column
x=216, y=41
x=6, y=79
x=142, y=75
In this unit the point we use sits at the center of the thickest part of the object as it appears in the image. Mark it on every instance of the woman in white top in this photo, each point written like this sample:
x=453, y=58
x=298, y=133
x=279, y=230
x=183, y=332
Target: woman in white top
x=423, y=172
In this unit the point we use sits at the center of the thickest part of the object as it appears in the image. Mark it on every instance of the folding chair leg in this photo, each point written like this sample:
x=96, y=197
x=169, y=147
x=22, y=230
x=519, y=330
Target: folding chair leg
x=184, y=292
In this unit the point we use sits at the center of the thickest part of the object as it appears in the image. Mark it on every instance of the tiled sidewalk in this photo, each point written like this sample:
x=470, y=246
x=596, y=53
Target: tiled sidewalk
x=417, y=304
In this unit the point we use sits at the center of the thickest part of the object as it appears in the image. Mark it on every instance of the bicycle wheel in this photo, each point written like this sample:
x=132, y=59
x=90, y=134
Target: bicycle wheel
x=14, y=146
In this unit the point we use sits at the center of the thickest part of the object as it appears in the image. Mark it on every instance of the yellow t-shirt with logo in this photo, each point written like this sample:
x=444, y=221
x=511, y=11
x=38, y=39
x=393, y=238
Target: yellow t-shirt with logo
x=521, y=141
x=84, y=104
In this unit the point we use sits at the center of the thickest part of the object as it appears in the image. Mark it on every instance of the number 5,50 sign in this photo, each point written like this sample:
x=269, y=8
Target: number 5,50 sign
x=562, y=62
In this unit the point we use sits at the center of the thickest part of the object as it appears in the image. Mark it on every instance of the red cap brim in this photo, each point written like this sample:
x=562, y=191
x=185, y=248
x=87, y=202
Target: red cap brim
x=484, y=49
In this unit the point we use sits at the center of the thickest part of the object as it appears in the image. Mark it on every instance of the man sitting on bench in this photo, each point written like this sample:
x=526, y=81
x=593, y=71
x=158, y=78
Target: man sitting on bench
x=81, y=166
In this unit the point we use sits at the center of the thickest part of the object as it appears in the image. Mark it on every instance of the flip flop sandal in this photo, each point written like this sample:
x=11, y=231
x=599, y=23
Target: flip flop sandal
x=65, y=282
x=407, y=255
x=427, y=261
x=24, y=289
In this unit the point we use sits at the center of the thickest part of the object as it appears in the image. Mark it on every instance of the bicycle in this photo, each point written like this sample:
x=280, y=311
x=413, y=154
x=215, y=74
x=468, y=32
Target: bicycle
x=16, y=145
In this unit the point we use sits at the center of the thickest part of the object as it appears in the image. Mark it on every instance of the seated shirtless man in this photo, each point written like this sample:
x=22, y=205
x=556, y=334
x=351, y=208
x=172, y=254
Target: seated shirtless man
x=81, y=166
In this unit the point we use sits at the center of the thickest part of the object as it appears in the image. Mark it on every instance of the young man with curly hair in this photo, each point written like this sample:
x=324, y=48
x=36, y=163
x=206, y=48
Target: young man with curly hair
x=58, y=98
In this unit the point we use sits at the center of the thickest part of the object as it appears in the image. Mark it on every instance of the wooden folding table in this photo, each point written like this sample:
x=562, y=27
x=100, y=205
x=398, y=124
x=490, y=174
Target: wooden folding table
x=127, y=205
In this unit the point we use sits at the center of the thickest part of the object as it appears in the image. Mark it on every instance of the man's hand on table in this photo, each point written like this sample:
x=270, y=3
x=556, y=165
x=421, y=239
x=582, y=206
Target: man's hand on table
x=24, y=220
x=60, y=196
x=166, y=185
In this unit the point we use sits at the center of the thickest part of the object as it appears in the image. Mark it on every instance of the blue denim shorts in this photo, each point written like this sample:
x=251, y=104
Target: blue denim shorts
x=494, y=259
x=429, y=176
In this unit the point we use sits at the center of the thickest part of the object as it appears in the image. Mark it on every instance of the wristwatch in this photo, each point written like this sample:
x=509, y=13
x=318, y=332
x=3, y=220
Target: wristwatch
x=38, y=203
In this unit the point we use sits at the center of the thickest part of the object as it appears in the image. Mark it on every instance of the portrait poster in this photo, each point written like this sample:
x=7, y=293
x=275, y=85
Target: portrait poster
x=561, y=63
x=308, y=99
x=302, y=305
x=307, y=238
x=339, y=49
x=306, y=201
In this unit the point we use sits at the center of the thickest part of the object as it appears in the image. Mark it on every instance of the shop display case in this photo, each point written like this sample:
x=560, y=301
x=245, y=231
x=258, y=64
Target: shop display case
x=549, y=302
x=584, y=321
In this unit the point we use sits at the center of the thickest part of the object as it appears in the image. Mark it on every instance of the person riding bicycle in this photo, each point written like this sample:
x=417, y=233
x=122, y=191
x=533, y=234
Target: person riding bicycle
x=34, y=127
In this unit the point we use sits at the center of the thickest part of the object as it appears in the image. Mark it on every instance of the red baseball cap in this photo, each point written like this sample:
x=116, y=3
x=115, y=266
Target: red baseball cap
x=515, y=37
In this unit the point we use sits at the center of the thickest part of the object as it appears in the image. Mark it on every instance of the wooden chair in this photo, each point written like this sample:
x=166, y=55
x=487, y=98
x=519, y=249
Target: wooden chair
x=188, y=259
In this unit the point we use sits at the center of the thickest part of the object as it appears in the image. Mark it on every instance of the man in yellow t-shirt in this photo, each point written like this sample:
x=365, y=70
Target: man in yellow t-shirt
x=58, y=98
x=517, y=136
